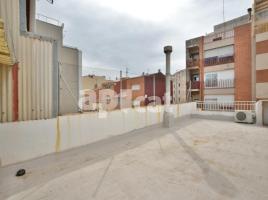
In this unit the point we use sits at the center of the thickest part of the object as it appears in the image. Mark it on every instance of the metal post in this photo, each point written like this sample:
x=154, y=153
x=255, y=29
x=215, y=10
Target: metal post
x=120, y=89
x=154, y=90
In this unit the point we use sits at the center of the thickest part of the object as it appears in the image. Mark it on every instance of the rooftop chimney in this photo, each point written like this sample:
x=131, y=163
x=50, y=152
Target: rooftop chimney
x=250, y=13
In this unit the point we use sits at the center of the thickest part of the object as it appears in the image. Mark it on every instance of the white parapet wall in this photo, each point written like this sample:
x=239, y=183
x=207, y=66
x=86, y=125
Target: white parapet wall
x=262, y=113
x=23, y=141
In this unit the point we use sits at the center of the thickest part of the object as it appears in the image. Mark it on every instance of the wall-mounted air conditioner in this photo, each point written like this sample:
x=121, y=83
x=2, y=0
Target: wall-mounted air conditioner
x=244, y=116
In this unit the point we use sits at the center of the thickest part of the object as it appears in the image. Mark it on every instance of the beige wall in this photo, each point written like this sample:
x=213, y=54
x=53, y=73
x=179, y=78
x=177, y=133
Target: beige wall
x=261, y=31
x=262, y=90
x=49, y=30
x=179, y=86
x=89, y=82
x=220, y=43
x=219, y=67
x=262, y=37
x=223, y=91
x=70, y=75
x=262, y=61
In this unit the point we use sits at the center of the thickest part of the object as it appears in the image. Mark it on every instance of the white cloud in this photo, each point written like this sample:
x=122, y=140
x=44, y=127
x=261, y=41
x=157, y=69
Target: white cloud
x=132, y=33
x=147, y=10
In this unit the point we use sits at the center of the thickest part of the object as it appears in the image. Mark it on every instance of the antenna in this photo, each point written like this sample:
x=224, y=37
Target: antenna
x=126, y=72
x=50, y=1
x=223, y=15
x=223, y=10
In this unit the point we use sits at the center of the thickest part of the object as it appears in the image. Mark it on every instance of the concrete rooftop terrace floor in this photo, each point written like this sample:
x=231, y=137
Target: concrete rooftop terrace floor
x=196, y=159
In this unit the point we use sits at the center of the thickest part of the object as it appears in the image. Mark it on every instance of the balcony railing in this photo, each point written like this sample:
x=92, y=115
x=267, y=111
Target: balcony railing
x=219, y=60
x=226, y=106
x=193, y=42
x=192, y=62
x=218, y=36
x=260, y=5
x=262, y=28
x=225, y=83
x=195, y=85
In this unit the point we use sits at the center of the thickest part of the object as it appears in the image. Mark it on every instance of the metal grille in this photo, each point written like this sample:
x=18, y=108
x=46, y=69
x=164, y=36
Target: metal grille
x=241, y=116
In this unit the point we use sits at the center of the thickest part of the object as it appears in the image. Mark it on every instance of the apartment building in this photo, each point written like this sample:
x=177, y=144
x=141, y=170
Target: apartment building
x=260, y=55
x=260, y=34
x=194, y=65
x=128, y=92
x=143, y=88
x=219, y=65
x=29, y=66
x=179, y=86
x=89, y=94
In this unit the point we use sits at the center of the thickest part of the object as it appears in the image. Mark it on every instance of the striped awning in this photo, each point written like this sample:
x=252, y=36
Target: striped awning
x=5, y=56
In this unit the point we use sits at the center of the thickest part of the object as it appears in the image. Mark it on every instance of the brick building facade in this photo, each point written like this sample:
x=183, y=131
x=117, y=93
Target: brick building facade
x=230, y=64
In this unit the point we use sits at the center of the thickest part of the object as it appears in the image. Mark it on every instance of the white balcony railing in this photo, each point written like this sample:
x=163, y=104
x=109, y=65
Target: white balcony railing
x=226, y=106
x=226, y=83
x=212, y=37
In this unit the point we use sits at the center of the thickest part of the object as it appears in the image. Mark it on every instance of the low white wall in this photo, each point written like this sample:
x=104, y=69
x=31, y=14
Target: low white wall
x=259, y=114
x=27, y=140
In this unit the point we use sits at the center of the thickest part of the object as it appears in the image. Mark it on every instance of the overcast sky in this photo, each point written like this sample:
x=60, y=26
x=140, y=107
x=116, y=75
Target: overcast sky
x=115, y=34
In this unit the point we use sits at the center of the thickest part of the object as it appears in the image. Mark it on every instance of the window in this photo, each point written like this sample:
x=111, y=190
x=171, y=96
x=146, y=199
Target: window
x=212, y=80
x=135, y=87
x=195, y=77
x=220, y=52
x=27, y=15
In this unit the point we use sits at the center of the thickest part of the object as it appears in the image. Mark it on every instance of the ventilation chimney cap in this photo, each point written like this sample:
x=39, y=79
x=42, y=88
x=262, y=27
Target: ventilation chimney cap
x=250, y=13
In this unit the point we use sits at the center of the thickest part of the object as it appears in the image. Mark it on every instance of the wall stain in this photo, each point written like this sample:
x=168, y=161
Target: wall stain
x=146, y=116
x=69, y=131
x=58, y=136
x=158, y=114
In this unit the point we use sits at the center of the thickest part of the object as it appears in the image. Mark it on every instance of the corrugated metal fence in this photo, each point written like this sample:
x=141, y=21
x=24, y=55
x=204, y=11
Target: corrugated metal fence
x=35, y=63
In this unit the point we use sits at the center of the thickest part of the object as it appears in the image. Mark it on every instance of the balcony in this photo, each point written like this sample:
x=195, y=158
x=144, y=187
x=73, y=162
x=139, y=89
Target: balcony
x=262, y=28
x=213, y=37
x=225, y=83
x=192, y=63
x=218, y=60
x=193, y=42
x=195, y=85
x=261, y=5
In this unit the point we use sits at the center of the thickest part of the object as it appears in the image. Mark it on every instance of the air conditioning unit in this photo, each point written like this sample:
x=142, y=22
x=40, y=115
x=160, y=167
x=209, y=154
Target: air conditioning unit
x=245, y=116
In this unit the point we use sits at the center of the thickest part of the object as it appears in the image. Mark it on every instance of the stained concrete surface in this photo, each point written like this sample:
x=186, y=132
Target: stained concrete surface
x=196, y=159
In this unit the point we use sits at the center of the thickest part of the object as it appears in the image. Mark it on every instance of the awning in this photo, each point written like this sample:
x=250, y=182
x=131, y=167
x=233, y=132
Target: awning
x=5, y=56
